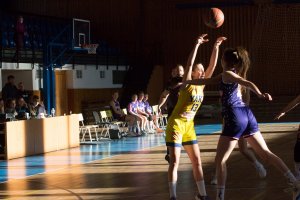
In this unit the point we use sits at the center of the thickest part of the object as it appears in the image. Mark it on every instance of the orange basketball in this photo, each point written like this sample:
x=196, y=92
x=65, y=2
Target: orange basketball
x=214, y=18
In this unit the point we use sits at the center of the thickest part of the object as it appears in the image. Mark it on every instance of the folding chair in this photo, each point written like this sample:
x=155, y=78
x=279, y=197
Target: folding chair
x=111, y=118
x=125, y=111
x=103, y=123
x=162, y=118
x=114, y=121
x=83, y=129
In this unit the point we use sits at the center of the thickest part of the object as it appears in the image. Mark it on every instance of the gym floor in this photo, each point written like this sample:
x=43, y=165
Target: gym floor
x=134, y=168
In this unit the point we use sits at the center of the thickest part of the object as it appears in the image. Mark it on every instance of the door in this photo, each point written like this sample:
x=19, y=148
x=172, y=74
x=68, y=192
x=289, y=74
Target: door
x=61, y=92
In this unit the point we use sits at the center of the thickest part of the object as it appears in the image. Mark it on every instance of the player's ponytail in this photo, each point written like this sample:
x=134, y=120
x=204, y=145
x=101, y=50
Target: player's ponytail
x=243, y=65
x=238, y=60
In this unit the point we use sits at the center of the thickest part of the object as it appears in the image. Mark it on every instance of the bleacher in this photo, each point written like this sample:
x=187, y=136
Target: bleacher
x=41, y=31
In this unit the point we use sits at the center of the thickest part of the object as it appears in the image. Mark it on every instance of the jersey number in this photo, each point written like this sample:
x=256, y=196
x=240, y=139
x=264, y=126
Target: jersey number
x=194, y=107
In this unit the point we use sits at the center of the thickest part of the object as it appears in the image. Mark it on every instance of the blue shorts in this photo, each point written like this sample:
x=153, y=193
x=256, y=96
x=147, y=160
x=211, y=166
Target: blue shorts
x=239, y=122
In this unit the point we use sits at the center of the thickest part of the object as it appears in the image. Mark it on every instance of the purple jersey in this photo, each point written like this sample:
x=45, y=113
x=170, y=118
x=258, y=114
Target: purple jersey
x=141, y=106
x=148, y=107
x=132, y=107
x=231, y=95
x=239, y=120
x=117, y=106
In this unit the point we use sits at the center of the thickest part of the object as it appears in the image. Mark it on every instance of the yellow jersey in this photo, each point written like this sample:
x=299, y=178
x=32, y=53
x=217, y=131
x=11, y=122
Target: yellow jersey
x=189, y=101
x=180, y=129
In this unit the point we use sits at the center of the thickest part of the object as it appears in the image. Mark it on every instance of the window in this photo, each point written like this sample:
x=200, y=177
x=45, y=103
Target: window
x=79, y=74
x=102, y=74
x=39, y=74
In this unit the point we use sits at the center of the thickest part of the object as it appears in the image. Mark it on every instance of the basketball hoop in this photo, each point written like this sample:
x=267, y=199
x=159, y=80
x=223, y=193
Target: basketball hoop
x=91, y=48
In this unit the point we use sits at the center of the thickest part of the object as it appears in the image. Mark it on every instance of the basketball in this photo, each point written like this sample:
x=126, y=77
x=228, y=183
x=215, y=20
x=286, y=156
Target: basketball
x=214, y=18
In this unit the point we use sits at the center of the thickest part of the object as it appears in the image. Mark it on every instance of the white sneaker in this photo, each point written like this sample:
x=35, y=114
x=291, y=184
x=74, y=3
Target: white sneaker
x=261, y=170
x=144, y=133
x=152, y=131
x=214, y=180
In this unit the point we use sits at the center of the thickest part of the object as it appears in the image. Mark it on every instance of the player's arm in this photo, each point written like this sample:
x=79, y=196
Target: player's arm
x=130, y=110
x=190, y=63
x=289, y=107
x=229, y=76
x=214, y=57
x=142, y=112
x=147, y=111
x=163, y=98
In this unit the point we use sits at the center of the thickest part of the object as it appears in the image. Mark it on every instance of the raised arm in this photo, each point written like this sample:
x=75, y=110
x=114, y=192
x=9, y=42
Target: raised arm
x=289, y=107
x=229, y=76
x=214, y=57
x=189, y=66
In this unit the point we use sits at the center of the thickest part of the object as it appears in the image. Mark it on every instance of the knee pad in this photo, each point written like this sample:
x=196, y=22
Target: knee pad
x=297, y=151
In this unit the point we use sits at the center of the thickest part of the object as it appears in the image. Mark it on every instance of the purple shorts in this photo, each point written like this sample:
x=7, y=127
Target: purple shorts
x=239, y=122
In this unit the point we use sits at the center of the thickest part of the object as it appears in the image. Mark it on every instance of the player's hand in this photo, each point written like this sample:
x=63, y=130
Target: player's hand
x=279, y=116
x=201, y=39
x=266, y=96
x=219, y=41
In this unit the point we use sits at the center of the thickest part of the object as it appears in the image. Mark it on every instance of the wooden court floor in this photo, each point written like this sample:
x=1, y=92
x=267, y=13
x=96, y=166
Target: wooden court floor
x=143, y=175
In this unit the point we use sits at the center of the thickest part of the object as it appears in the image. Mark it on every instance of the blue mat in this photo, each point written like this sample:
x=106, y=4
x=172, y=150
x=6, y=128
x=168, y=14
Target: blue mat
x=207, y=129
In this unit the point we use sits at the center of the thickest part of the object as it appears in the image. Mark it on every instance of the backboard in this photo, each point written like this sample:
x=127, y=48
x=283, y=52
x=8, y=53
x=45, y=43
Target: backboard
x=81, y=32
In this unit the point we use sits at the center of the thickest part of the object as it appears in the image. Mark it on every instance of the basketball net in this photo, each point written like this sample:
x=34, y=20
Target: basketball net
x=275, y=47
x=91, y=48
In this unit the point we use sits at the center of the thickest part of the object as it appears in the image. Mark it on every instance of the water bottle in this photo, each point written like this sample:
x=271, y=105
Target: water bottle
x=52, y=112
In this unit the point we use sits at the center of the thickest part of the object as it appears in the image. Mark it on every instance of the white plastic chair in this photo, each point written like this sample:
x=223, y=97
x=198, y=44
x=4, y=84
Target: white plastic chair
x=103, y=122
x=83, y=129
x=162, y=118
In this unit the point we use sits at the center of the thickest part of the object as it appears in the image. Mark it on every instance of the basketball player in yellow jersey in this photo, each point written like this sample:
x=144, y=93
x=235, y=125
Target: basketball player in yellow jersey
x=180, y=130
